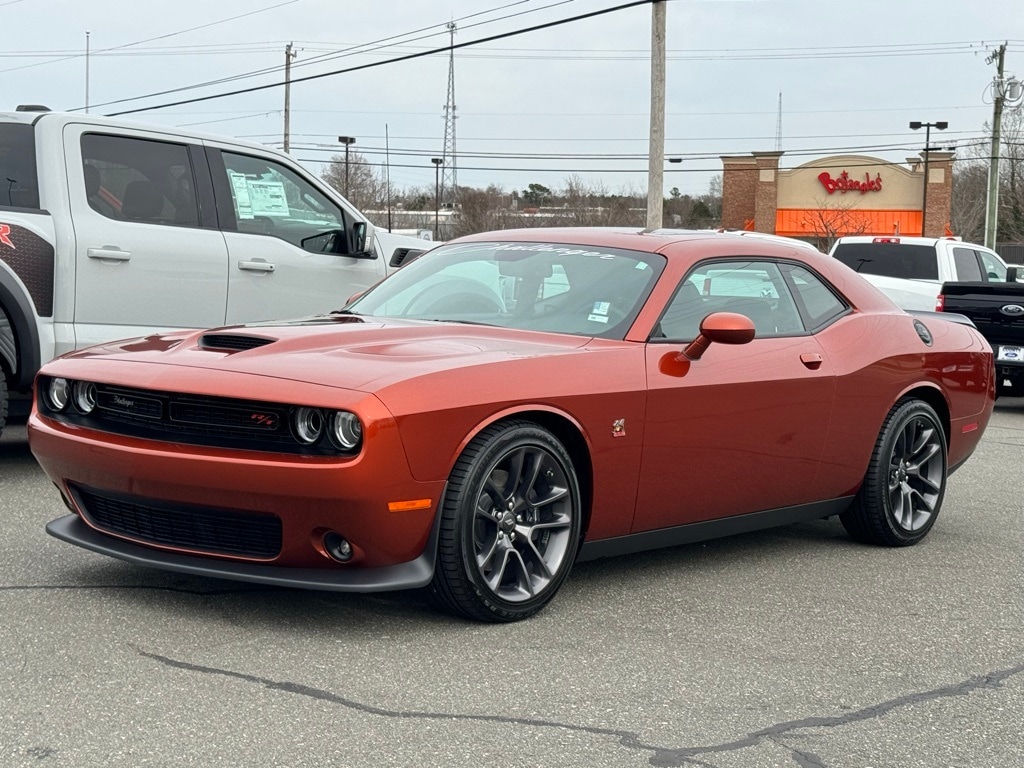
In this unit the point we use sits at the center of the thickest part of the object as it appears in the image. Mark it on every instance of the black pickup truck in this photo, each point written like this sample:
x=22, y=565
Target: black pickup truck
x=997, y=310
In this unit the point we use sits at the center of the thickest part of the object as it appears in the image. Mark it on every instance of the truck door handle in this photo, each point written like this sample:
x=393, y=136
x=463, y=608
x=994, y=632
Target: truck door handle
x=812, y=360
x=256, y=266
x=108, y=253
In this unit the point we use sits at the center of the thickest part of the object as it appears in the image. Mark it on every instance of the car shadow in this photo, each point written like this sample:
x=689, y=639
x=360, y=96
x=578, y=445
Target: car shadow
x=264, y=609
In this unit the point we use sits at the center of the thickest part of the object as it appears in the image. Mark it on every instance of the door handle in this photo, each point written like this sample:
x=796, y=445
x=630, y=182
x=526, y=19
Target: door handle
x=108, y=253
x=256, y=266
x=812, y=360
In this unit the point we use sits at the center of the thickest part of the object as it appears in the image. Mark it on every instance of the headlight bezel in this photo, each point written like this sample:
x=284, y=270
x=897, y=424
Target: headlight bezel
x=58, y=394
x=345, y=431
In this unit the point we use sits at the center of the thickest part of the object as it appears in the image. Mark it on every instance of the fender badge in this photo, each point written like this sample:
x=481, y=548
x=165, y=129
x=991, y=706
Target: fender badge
x=5, y=231
x=619, y=428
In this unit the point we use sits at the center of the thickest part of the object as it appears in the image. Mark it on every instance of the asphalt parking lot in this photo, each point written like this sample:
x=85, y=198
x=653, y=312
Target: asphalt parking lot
x=791, y=647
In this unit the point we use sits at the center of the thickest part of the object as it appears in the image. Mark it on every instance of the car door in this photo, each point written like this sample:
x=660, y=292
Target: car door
x=287, y=240
x=148, y=253
x=743, y=428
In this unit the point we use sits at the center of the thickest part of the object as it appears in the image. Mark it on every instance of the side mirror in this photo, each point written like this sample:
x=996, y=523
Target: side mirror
x=1011, y=274
x=359, y=237
x=720, y=328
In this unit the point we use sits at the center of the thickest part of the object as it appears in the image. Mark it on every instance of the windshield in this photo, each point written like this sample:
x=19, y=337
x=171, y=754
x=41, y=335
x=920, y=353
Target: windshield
x=561, y=288
x=912, y=262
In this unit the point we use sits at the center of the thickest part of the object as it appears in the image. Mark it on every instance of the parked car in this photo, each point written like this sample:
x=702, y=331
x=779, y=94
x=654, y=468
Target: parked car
x=513, y=402
x=911, y=270
x=111, y=229
x=997, y=310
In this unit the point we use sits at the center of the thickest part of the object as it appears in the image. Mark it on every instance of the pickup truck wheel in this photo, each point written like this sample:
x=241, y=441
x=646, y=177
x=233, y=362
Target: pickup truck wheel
x=3, y=400
x=906, y=479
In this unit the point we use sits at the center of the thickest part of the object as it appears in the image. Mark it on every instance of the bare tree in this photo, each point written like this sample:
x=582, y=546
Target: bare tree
x=483, y=210
x=365, y=189
x=970, y=184
x=967, y=209
x=831, y=221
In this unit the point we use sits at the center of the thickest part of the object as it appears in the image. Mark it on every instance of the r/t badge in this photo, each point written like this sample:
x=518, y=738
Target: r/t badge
x=619, y=428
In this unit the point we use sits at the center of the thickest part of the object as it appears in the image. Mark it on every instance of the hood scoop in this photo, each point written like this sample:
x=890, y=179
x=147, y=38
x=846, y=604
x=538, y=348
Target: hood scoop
x=232, y=342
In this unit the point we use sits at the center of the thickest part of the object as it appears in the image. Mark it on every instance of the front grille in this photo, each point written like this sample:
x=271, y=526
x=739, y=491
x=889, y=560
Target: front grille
x=232, y=341
x=219, y=422
x=201, y=529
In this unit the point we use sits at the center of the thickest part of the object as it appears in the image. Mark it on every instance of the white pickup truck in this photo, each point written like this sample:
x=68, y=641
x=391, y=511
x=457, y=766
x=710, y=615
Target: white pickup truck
x=911, y=270
x=110, y=229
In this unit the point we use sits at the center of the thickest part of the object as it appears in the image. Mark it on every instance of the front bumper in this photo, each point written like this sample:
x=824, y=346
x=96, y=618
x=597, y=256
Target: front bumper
x=410, y=575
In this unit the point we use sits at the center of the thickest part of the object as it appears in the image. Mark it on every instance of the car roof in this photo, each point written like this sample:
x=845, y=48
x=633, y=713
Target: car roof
x=652, y=241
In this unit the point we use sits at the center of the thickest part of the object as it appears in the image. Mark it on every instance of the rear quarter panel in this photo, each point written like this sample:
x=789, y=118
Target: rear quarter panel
x=879, y=358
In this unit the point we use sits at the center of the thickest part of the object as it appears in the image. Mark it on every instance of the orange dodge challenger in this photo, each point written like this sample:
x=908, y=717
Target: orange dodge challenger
x=510, y=403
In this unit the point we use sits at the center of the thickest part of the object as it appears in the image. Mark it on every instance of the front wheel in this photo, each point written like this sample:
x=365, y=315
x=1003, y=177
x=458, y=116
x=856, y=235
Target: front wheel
x=906, y=479
x=510, y=524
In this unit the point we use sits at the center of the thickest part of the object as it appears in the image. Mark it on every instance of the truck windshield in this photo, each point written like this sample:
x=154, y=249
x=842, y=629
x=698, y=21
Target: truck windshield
x=19, y=187
x=912, y=262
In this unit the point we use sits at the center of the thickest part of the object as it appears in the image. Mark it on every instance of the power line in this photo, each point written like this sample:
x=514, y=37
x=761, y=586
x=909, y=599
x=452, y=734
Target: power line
x=348, y=51
x=158, y=37
x=408, y=57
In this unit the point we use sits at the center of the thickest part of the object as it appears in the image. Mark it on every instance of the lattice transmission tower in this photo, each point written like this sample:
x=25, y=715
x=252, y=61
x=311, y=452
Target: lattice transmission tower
x=449, y=175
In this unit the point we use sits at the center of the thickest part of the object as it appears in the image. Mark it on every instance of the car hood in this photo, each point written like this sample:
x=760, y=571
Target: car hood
x=346, y=351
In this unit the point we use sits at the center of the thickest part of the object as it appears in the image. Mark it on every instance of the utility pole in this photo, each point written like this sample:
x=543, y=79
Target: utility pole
x=87, y=71
x=289, y=54
x=656, y=147
x=992, y=199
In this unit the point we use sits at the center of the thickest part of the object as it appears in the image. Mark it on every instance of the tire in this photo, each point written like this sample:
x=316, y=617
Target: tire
x=906, y=480
x=510, y=524
x=3, y=399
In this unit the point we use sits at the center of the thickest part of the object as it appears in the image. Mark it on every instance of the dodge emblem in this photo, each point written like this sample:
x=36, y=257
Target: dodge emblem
x=1013, y=310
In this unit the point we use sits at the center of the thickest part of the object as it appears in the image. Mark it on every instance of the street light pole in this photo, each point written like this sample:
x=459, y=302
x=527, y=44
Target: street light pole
x=914, y=126
x=346, y=140
x=437, y=194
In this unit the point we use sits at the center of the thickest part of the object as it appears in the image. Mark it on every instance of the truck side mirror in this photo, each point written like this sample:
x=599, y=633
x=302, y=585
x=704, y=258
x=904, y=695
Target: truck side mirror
x=1011, y=274
x=359, y=237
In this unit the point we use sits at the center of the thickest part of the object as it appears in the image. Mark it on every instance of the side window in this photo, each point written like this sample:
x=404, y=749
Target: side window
x=993, y=268
x=139, y=180
x=18, y=166
x=819, y=305
x=752, y=288
x=271, y=199
x=966, y=264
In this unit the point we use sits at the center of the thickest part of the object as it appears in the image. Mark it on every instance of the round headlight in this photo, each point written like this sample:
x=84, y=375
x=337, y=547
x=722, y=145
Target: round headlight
x=345, y=430
x=57, y=394
x=85, y=396
x=308, y=424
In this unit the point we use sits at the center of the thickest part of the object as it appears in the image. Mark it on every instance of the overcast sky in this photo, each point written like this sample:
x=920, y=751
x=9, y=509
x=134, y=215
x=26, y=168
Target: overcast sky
x=851, y=73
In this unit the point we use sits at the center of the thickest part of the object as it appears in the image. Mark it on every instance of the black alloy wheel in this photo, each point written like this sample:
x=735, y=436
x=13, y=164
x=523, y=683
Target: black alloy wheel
x=906, y=479
x=510, y=524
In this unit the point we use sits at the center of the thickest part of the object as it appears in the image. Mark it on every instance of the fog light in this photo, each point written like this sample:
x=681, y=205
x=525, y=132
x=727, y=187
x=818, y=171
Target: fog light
x=57, y=394
x=85, y=396
x=337, y=547
x=308, y=424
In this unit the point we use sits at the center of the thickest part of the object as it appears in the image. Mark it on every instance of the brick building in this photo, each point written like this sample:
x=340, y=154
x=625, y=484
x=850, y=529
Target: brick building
x=835, y=196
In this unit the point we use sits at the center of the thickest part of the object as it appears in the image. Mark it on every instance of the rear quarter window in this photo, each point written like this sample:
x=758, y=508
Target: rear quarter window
x=19, y=185
x=911, y=262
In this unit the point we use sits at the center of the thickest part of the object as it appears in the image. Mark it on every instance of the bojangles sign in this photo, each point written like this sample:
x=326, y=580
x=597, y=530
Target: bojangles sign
x=845, y=184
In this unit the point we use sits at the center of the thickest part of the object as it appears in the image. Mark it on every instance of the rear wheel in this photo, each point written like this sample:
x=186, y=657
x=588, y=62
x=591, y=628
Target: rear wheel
x=510, y=525
x=906, y=479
